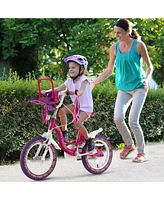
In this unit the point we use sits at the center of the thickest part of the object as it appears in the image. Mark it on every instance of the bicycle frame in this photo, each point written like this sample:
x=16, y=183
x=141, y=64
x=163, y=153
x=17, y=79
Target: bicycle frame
x=53, y=126
x=62, y=142
x=39, y=156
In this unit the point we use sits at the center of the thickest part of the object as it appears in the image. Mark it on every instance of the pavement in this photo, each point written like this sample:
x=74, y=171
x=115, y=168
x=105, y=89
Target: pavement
x=70, y=170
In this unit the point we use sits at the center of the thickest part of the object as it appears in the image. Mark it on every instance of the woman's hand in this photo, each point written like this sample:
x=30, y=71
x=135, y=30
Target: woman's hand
x=92, y=85
x=146, y=83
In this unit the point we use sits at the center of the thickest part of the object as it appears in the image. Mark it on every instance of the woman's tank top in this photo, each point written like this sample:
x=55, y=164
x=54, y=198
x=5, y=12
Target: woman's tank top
x=129, y=74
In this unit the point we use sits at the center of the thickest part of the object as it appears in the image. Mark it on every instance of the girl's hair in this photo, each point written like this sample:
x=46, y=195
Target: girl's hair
x=126, y=25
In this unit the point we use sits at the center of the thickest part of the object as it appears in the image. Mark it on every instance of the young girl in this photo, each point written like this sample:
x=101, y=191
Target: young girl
x=77, y=84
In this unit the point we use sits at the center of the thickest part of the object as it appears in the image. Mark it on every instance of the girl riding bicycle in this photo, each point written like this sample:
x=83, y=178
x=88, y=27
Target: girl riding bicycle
x=77, y=85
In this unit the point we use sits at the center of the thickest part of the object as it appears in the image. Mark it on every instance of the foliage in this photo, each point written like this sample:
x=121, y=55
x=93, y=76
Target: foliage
x=21, y=121
x=152, y=33
x=33, y=43
x=40, y=45
x=93, y=40
x=158, y=76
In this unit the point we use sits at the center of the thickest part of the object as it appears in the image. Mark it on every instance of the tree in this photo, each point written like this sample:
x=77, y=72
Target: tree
x=94, y=40
x=152, y=33
x=40, y=45
x=26, y=40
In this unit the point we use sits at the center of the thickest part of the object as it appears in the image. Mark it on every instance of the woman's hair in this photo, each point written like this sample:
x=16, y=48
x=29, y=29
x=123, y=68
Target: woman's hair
x=126, y=25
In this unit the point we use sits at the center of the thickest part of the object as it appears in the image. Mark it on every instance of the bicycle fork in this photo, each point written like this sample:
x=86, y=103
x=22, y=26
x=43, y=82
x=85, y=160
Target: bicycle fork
x=49, y=139
x=45, y=146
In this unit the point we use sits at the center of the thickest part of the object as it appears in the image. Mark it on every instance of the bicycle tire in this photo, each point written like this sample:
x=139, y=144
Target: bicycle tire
x=97, y=165
x=31, y=164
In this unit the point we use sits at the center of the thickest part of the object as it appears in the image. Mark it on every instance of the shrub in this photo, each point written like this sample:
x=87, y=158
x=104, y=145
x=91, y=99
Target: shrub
x=20, y=121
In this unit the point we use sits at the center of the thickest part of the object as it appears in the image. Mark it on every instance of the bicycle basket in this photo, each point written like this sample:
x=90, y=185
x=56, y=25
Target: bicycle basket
x=47, y=103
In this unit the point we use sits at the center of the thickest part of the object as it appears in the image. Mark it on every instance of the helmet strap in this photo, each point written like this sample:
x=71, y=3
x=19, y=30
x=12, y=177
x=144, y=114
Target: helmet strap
x=74, y=78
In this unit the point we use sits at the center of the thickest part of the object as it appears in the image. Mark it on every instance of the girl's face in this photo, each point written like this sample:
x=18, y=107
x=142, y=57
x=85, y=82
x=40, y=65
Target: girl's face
x=120, y=33
x=73, y=69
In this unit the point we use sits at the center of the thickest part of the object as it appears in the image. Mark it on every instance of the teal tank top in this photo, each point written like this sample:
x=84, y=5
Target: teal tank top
x=129, y=73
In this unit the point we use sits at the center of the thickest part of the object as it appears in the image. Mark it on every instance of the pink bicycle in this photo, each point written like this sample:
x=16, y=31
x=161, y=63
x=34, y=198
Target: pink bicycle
x=39, y=156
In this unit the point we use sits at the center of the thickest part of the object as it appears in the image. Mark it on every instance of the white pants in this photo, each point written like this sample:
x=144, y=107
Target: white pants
x=123, y=101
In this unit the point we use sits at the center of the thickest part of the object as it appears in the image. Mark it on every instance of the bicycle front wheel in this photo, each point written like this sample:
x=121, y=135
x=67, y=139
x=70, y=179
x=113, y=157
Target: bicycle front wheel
x=38, y=159
x=98, y=163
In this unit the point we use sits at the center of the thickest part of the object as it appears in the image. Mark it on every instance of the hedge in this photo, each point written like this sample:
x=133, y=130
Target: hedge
x=20, y=120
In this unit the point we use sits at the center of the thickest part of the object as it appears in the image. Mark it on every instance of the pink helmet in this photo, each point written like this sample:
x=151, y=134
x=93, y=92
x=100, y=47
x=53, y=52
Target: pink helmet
x=81, y=60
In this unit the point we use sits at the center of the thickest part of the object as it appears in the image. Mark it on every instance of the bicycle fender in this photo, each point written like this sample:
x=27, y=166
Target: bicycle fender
x=94, y=133
x=48, y=136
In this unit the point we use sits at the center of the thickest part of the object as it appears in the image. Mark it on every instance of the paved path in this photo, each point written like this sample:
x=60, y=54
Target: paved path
x=71, y=170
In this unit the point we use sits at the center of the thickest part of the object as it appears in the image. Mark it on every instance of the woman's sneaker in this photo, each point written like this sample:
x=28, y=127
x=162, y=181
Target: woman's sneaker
x=126, y=151
x=141, y=157
x=91, y=145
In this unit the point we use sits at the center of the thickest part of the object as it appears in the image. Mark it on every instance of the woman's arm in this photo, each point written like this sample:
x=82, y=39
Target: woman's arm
x=142, y=50
x=104, y=75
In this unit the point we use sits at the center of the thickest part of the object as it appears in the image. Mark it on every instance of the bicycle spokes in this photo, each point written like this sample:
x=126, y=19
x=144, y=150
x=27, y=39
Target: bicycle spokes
x=101, y=160
x=38, y=159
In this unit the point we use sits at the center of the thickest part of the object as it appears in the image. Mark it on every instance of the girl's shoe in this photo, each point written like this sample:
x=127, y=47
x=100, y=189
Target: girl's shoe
x=126, y=151
x=140, y=158
x=91, y=145
x=65, y=134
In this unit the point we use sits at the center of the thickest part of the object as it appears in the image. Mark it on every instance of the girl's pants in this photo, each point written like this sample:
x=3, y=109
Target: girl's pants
x=123, y=101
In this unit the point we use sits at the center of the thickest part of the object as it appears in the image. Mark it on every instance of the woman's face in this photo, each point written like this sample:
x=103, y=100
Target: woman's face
x=120, y=33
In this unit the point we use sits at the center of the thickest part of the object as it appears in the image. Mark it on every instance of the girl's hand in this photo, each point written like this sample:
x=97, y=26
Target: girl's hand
x=71, y=93
x=43, y=92
x=76, y=92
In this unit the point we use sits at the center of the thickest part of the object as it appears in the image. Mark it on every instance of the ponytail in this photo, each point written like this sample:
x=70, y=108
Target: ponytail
x=134, y=34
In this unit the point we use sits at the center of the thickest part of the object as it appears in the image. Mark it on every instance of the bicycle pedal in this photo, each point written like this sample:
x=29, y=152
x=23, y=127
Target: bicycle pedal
x=79, y=158
x=92, y=152
x=87, y=153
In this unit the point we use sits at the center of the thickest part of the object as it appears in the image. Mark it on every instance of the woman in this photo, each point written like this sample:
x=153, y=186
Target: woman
x=131, y=84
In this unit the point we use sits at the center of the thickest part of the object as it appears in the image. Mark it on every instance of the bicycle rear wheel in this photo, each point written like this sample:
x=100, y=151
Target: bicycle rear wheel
x=38, y=159
x=97, y=164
